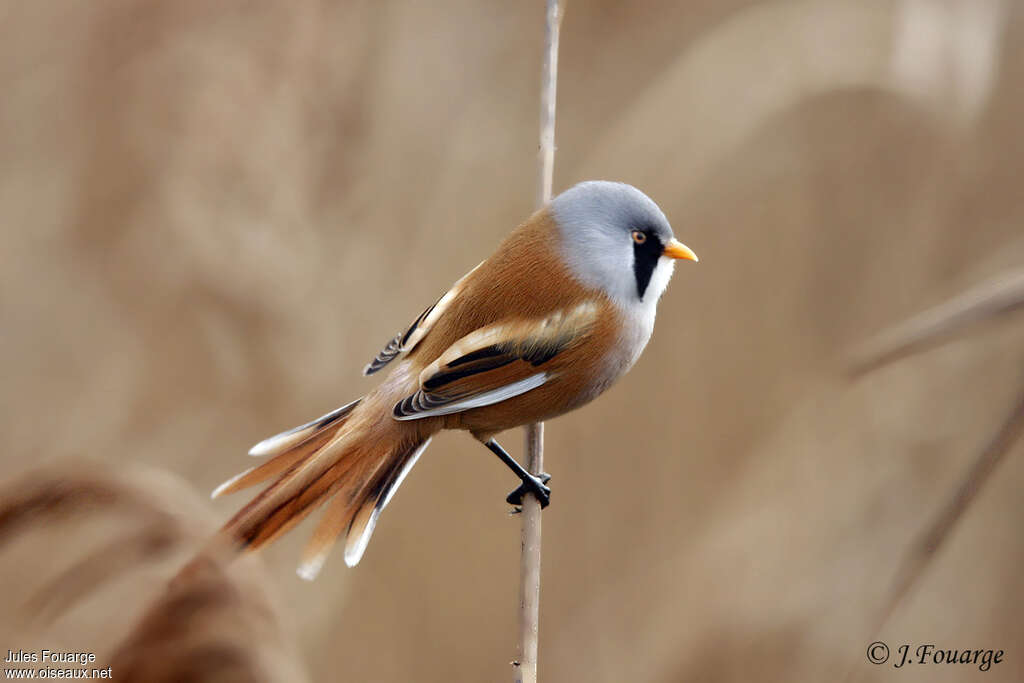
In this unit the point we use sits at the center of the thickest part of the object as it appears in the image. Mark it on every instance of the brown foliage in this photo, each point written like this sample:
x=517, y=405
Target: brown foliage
x=211, y=623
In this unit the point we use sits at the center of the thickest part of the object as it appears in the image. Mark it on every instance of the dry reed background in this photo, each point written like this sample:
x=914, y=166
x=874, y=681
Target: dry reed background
x=214, y=215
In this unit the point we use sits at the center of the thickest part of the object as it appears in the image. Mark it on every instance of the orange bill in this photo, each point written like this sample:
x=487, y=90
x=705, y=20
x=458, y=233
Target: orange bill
x=678, y=250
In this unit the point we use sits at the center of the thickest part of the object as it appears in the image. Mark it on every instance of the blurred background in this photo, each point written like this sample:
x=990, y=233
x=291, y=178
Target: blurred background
x=214, y=214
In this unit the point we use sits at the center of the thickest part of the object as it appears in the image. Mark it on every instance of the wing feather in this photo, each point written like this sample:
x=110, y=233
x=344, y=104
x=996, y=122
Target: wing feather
x=404, y=342
x=496, y=363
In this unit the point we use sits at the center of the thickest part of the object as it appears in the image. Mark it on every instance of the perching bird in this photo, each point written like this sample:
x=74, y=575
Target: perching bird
x=560, y=311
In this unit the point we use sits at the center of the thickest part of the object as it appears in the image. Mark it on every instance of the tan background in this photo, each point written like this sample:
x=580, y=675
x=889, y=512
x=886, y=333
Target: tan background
x=213, y=214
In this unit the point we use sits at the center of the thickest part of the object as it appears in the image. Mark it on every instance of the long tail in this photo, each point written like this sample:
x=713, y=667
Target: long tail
x=345, y=457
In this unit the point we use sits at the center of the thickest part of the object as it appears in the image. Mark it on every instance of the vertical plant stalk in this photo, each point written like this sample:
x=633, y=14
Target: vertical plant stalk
x=529, y=566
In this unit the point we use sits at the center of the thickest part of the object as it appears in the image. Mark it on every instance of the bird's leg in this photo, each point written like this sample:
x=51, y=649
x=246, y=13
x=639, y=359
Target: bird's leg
x=534, y=484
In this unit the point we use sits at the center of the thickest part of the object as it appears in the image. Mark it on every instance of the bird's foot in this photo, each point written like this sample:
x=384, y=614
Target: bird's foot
x=534, y=484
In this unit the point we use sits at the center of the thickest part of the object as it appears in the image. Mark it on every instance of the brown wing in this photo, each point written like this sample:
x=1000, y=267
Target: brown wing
x=497, y=362
x=404, y=342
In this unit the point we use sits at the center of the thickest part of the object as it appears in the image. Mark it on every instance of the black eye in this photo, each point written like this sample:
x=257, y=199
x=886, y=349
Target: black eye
x=639, y=237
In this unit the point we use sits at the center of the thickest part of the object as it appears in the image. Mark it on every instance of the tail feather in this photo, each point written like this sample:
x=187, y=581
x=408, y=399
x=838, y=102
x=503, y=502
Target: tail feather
x=357, y=522
x=286, y=441
x=345, y=460
x=260, y=527
x=277, y=465
x=365, y=519
x=331, y=525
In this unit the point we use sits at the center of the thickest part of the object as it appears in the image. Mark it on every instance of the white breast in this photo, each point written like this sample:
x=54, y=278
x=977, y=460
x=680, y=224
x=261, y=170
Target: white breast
x=638, y=317
x=636, y=332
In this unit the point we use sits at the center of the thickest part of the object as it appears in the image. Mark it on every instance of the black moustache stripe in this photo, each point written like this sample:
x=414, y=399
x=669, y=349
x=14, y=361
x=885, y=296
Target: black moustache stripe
x=645, y=258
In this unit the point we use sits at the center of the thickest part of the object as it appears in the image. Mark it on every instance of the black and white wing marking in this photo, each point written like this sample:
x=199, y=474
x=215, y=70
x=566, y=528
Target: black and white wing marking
x=404, y=342
x=396, y=346
x=496, y=363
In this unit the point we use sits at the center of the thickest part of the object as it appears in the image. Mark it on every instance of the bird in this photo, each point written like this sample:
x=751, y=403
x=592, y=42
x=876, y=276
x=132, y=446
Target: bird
x=560, y=311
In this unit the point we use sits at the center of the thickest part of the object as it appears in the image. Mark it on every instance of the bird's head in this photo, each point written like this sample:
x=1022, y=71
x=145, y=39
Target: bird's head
x=616, y=239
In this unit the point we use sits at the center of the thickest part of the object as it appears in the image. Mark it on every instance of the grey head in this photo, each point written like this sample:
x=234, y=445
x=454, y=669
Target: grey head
x=616, y=239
